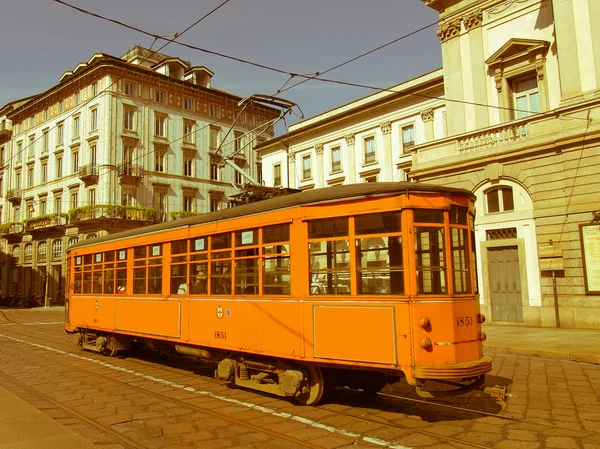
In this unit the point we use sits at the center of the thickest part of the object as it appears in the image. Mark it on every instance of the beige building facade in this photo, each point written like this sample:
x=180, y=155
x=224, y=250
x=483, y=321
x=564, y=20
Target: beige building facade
x=514, y=117
x=118, y=143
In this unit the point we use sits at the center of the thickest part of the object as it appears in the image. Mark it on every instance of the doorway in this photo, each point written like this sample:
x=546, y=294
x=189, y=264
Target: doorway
x=505, y=284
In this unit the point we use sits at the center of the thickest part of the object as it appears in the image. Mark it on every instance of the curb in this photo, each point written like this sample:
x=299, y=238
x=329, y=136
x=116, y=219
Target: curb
x=545, y=354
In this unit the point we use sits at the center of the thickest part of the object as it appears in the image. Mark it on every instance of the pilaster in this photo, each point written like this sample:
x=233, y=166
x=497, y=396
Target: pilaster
x=388, y=163
x=472, y=23
x=291, y=170
x=453, y=74
x=319, y=169
x=427, y=117
x=566, y=43
x=351, y=170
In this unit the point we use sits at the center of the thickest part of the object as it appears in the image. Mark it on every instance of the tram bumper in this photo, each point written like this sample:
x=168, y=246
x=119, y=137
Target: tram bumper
x=464, y=370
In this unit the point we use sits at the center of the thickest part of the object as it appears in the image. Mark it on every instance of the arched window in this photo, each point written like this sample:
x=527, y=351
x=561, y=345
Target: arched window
x=42, y=251
x=73, y=240
x=16, y=255
x=28, y=253
x=56, y=249
x=499, y=199
x=91, y=236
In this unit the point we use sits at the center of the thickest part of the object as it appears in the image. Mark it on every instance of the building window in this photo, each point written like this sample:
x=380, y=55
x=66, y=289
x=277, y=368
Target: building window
x=72, y=241
x=19, y=152
x=77, y=97
x=214, y=110
x=408, y=138
x=238, y=175
x=189, y=202
x=60, y=134
x=16, y=255
x=76, y=127
x=526, y=96
x=94, y=119
x=159, y=160
x=336, y=159
x=59, y=164
x=94, y=89
x=259, y=175
x=129, y=115
x=500, y=199
x=57, y=204
x=128, y=198
x=28, y=254
x=30, y=174
x=159, y=96
x=129, y=88
x=93, y=156
x=1, y=155
x=215, y=133
x=214, y=169
x=61, y=106
x=306, y=167
x=277, y=175
x=371, y=178
x=44, y=172
x=43, y=206
x=188, y=104
x=92, y=197
x=188, y=165
x=74, y=200
x=215, y=204
x=56, y=249
x=189, y=131
x=369, y=146
x=45, y=142
x=31, y=147
x=160, y=129
x=238, y=142
x=29, y=210
x=75, y=161
x=42, y=250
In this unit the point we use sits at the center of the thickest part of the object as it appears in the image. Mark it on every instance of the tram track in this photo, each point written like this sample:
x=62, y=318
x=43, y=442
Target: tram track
x=182, y=374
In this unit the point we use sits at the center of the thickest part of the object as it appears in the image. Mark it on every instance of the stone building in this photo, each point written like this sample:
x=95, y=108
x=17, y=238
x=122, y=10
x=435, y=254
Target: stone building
x=513, y=116
x=117, y=143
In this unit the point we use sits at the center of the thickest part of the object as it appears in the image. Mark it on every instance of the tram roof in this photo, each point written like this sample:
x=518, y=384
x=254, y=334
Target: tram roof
x=313, y=196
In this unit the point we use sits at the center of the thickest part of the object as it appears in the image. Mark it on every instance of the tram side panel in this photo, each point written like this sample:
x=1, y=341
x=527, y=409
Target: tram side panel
x=92, y=312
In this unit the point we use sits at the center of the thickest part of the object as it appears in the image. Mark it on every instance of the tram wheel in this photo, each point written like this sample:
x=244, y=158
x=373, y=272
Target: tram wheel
x=316, y=386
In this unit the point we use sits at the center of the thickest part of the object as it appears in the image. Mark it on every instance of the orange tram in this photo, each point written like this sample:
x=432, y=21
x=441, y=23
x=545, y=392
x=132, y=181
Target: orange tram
x=353, y=285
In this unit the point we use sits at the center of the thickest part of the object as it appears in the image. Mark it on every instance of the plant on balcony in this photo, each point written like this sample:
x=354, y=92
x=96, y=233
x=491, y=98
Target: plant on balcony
x=183, y=214
x=113, y=211
x=4, y=227
x=45, y=217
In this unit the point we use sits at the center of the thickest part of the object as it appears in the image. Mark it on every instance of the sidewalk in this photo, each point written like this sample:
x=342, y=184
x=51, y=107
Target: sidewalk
x=550, y=343
x=22, y=426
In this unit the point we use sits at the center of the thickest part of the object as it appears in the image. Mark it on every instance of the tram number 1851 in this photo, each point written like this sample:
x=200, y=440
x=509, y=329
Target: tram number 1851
x=221, y=335
x=463, y=321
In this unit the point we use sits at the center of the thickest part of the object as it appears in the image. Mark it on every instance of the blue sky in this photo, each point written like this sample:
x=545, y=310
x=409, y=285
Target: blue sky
x=41, y=39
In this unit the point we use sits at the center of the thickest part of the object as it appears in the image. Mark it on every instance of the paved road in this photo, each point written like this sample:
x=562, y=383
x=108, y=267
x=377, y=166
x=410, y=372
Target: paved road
x=151, y=402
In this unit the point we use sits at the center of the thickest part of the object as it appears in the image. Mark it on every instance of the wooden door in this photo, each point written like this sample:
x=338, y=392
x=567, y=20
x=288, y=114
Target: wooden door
x=505, y=284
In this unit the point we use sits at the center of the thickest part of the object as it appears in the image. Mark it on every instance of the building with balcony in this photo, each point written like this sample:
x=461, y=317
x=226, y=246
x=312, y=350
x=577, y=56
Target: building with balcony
x=513, y=116
x=117, y=143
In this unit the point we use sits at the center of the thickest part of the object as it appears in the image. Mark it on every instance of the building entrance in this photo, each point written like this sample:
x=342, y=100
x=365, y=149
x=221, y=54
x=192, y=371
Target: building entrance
x=505, y=284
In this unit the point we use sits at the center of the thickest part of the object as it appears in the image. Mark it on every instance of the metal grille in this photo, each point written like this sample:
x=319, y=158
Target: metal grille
x=501, y=234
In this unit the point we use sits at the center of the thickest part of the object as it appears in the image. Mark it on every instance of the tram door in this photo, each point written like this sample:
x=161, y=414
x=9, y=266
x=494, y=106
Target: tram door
x=505, y=284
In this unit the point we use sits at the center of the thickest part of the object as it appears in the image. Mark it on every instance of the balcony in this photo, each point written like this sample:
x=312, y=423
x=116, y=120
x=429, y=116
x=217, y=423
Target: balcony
x=183, y=214
x=14, y=196
x=108, y=212
x=12, y=232
x=89, y=174
x=130, y=174
x=46, y=223
x=6, y=128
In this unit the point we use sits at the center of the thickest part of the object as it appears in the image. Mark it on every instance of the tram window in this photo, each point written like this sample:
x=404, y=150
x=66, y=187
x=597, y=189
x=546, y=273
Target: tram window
x=220, y=277
x=109, y=256
x=221, y=241
x=460, y=261
x=276, y=275
x=139, y=252
x=198, y=278
x=87, y=259
x=179, y=247
x=458, y=215
x=246, y=237
x=87, y=280
x=179, y=279
x=121, y=279
x=428, y=216
x=246, y=276
x=109, y=281
x=78, y=281
x=330, y=227
x=430, y=260
x=155, y=280
x=97, y=282
x=122, y=254
x=380, y=266
x=139, y=281
x=276, y=233
x=384, y=223
x=329, y=267
x=199, y=244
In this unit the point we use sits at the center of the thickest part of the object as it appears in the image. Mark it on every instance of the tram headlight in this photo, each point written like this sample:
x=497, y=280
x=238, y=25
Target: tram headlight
x=482, y=336
x=480, y=318
x=425, y=323
x=427, y=344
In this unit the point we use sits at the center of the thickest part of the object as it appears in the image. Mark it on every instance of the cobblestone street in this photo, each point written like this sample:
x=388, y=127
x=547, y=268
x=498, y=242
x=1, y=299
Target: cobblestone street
x=152, y=402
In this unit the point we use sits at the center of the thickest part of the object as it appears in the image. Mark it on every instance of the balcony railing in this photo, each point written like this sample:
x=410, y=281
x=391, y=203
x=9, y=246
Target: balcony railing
x=89, y=173
x=8, y=230
x=45, y=222
x=370, y=158
x=130, y=173
x=502, y=135
x=107, y=211
x=14, y=195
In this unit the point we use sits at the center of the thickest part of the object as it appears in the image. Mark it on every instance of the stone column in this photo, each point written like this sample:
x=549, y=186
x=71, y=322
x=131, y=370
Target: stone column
x=319, y=177
x=449, y=33
x=566, y=44
x=387, y=161
x=351, y=159
x=427, y=117
x=472, y=24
